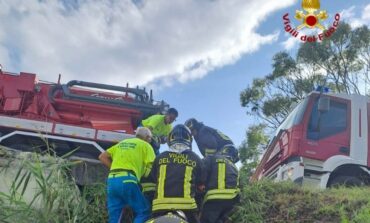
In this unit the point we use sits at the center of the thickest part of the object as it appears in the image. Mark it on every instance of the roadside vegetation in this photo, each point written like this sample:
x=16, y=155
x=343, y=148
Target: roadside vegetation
x=286, y=202
x=42, y=190
x=39, y=188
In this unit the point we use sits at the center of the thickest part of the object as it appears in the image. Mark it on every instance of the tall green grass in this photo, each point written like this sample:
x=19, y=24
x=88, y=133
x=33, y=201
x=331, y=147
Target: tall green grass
x=286, y=202
x=41, y=189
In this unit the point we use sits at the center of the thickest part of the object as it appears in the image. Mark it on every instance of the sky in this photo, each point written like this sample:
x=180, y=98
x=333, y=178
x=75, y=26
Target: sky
x=197, y=55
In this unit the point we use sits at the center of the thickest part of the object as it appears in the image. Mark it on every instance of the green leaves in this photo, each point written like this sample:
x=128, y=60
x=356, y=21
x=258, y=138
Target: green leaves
x=341, y=58
x=283, y=66
x=253, y=94
x=43, y=190
x=251, y=149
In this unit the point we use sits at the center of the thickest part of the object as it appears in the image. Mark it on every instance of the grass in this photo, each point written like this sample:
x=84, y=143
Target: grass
x=286, y=202
x=41, y=189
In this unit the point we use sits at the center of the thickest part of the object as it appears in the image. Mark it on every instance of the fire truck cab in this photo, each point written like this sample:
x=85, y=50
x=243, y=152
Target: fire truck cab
x=323, y=142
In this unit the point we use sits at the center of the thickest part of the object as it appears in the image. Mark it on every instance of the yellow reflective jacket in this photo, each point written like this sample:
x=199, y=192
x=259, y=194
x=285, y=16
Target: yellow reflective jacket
x=132, y=154
x=156, y=123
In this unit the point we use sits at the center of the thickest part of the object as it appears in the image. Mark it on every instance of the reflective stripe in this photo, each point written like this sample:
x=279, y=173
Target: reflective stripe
x=209, y=152
x=221, y=175
x=148, y=187
x=227, y=145
x=176, y=203
x=236, y=168
x=121, y=174
x=161, y=181
x=187, y=179
x=130, y=181
x=221, y=194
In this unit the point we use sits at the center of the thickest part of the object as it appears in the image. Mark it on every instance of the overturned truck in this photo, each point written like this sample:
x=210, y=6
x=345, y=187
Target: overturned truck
x=79, y=119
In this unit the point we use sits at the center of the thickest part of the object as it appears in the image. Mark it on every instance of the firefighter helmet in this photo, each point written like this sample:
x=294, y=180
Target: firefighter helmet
x=192, y=124
x=171, y=217
x=230, y=152
x=180, y=134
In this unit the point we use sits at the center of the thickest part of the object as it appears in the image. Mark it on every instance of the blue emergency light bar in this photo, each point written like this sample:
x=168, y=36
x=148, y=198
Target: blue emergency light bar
x=322, y=89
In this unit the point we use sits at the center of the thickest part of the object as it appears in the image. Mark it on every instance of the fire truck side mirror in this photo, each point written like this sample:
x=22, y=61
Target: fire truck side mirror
x=324, y=104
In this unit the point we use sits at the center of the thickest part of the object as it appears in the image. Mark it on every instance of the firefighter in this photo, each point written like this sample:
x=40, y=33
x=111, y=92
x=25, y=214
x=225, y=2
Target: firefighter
x=210, y=140
x=128, y=161
x=160, y=125
x=222, y=186
x=177, y=173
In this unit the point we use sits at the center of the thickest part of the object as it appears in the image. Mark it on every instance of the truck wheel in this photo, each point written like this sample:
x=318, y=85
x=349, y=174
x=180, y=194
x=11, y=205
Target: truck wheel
x=347, y=181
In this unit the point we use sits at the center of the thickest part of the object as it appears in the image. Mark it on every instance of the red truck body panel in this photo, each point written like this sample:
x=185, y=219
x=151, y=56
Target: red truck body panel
x=102, y=111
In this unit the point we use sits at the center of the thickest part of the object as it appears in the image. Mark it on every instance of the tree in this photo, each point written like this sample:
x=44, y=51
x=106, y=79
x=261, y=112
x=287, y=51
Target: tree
x=339, y=58
x=251, y=150
x=362, y=43
x=341, y=62
x=271, y=97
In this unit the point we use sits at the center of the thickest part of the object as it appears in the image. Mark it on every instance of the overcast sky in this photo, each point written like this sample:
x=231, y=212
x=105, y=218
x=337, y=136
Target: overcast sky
x=198, y=55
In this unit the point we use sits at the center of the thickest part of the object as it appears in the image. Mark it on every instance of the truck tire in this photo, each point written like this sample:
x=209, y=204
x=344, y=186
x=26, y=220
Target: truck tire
x=347, y=181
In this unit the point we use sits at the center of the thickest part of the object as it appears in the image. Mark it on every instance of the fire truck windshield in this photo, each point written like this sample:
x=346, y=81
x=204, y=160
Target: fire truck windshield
x=294, y=117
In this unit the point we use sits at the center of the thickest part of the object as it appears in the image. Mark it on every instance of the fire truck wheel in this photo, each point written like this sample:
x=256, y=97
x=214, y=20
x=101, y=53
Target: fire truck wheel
x=347, y=181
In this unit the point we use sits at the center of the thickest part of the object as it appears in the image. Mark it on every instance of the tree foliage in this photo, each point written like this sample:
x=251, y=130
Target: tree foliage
x=341, y=62
x=253, y=148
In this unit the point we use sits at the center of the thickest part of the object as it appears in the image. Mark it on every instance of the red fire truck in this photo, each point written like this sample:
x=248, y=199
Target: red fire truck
x=82, y=116
x=323, y=142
